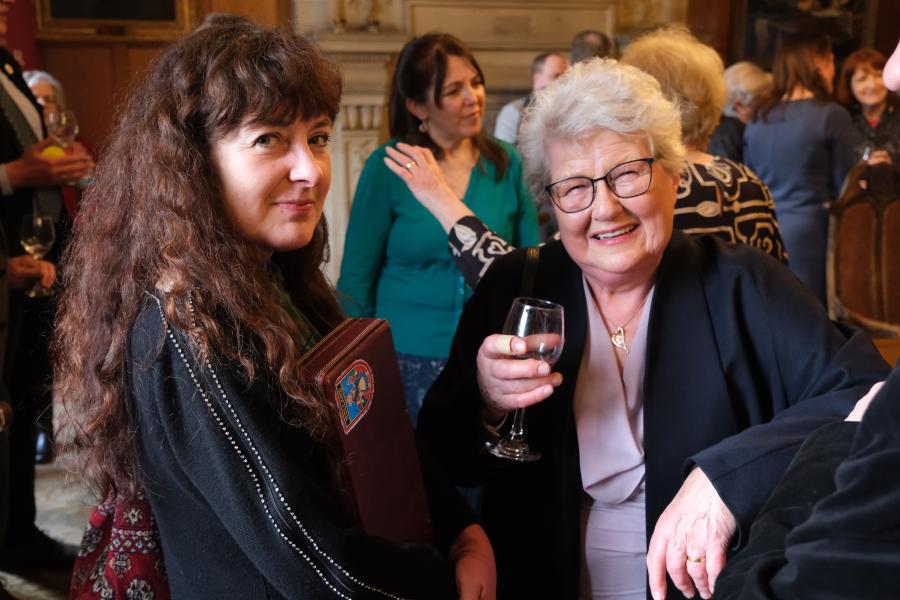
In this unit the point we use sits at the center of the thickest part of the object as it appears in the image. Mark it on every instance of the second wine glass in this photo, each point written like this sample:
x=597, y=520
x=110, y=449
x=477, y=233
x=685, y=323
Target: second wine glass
x=541, y=324
x=62, y=127
x=37, y=236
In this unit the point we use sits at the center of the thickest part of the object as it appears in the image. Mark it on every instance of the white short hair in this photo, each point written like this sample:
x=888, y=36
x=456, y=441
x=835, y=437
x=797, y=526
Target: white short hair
x=600, y=94
x=32, y=77
x=745, y=83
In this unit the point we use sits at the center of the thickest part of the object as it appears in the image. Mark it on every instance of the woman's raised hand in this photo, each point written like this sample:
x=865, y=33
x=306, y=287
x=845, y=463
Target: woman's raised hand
x=417, y=167
x=508, y=382
x=690, y=539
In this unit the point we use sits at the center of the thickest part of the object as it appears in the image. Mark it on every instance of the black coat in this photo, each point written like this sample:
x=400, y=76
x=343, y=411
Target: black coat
x=17, y=205
x=831, y=529
x=246, y=505
x=733, y=340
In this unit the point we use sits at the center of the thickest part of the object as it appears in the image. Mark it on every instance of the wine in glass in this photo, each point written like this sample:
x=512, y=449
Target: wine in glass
x=37, y=236
x=541, y=324
x=63, y=127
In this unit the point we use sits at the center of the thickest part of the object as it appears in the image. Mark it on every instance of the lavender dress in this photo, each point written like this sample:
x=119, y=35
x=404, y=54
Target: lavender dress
x=609, y=412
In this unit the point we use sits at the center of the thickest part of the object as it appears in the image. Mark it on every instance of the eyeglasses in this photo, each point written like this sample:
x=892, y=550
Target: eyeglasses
x=625, y=180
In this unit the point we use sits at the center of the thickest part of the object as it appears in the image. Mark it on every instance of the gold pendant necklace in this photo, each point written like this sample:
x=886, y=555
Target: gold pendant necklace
x=617, y=337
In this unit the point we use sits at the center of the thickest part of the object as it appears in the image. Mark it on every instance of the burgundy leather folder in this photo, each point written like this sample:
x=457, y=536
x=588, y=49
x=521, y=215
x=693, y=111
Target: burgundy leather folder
x=355, y=369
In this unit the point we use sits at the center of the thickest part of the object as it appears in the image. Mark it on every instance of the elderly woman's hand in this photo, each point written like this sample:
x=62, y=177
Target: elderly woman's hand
x=690, y=539
x=507, y=382
x=417, y=168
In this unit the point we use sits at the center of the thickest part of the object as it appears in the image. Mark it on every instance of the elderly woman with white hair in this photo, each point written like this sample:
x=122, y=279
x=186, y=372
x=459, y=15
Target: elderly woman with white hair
x=691, y=372
x=716, y=195
x=745, y=85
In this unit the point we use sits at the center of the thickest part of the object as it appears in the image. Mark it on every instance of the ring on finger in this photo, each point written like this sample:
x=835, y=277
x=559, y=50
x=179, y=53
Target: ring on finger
x=695, y=559
x=409, y=165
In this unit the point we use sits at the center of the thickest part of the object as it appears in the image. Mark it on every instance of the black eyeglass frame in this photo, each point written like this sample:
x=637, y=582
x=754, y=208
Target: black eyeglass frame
x=649, y=160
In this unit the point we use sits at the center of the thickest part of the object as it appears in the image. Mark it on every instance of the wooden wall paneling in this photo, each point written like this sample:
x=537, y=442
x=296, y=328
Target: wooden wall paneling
x=87, y=74
x=710, y=21
x=265, y=12
x=887, y=25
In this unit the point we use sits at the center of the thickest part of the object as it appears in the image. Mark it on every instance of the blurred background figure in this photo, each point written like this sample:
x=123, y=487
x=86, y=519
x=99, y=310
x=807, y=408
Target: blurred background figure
x=29, y=183
x=745, y=85
x=396, y=265
x=62, y=125
x=800, y=142
x=589, y=44
x=715, y=195
x=47, y=90
x=862, y=91
x=545, y=69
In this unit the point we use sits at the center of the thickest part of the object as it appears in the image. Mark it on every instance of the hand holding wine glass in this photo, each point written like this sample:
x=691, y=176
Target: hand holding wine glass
x=526, y=378
x=37, y=235
x=62, y=126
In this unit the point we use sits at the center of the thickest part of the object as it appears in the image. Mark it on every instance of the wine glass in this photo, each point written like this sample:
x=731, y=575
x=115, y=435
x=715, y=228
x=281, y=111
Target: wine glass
x=37, y=236
x=541, y=324
x=62, y=126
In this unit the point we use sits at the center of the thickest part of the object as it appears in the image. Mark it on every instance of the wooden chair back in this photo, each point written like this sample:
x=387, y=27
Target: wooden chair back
x=863, y=263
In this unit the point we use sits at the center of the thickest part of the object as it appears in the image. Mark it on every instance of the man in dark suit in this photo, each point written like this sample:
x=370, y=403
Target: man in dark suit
x=28, y=181
x=831, y=528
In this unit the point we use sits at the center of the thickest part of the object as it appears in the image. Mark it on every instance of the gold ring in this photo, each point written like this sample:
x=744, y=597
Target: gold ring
x=695, y=559
x=409, y=166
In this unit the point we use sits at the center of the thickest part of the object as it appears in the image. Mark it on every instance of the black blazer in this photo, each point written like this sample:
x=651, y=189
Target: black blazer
x=831, y=529
x=734, y=339
x=14, y=207
x=247, y=506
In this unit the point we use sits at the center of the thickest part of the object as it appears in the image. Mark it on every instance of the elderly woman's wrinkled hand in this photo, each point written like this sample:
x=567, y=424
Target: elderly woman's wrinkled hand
x=417, y=167
x=690, y=539
x=508, y=382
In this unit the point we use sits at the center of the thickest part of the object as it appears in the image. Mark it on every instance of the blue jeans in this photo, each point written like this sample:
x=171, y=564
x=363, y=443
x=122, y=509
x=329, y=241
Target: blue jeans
x=418, y=373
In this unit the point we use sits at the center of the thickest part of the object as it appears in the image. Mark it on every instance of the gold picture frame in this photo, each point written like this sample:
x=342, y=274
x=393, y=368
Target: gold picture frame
x=137, y=20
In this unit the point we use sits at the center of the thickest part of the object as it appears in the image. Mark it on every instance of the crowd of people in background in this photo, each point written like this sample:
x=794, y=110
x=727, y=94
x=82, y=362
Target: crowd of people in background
x=707, y=429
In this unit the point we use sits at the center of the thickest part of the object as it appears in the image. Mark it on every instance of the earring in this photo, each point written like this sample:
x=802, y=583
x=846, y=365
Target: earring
x=423, y=126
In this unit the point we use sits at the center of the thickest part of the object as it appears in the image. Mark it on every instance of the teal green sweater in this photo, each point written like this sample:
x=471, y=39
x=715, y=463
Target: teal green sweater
x=396, y=263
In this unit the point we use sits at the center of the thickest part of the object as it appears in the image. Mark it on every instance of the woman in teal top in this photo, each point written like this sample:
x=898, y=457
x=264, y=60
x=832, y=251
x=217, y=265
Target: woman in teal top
x=396, y=263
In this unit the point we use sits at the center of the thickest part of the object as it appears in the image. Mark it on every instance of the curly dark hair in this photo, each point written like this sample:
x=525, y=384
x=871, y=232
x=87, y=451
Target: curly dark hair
x=154, y=220
x=420, y=72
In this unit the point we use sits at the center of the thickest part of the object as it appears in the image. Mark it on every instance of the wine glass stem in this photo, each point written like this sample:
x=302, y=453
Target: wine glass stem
x=517, y=432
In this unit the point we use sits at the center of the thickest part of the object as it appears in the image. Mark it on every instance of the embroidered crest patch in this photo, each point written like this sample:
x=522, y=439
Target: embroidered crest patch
x=353, y=393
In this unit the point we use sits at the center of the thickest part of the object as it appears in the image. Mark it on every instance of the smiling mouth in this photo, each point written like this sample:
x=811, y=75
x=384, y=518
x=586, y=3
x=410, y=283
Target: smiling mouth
x=614, y=234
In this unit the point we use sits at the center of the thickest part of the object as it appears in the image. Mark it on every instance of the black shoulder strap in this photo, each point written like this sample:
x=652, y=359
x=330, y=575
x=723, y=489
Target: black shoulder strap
x=532, y=253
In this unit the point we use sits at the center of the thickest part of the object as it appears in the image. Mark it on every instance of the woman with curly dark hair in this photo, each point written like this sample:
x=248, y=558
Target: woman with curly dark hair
x=191, y=289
